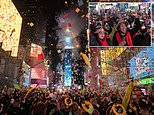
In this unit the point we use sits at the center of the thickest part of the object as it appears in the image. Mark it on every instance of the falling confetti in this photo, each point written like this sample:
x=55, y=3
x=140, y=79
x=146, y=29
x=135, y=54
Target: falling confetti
x=30, y=24
x=87, y=15
x=66, y=15
x=82, y=16
x=77, y=10
x=59, y=51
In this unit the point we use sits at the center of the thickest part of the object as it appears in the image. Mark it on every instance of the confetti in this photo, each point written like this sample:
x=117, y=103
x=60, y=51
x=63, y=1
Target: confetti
x=31, y=24
x=87, y=15
x=69, y=25
x=82, y=16
x=77, y=10
x=59, y=51
x=66, y=15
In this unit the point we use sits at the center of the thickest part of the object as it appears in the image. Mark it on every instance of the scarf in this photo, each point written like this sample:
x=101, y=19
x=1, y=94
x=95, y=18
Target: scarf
x=103, y=42
x=128, y=38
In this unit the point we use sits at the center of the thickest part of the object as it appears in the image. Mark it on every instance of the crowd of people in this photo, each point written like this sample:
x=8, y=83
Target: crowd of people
x=37, y=101
x=131, y=28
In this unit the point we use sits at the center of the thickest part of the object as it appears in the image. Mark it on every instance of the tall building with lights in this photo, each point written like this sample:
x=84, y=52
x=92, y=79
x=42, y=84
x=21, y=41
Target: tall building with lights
x=33, y=29
x=67, y=78
x=33, y=26
x=10, y=27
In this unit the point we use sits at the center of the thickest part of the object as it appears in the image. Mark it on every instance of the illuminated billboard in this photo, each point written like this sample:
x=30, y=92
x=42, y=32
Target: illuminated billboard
x=142, y=64
x=38, y=76
x=152, y=13
x=38, y=73
x=36, y=51
x=10, y=26
x=68, y=68
x=106, y=58
x=146, y=81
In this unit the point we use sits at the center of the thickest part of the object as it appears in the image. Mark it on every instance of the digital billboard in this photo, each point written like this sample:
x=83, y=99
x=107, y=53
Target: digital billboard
x=68, y=68
x=152, y=13
x=38, y=76
x=153, y=21
x=10, y=26
x=106, y=58
x=146, y=81
x=36, y=51
x=38, y=73
x=142, y=64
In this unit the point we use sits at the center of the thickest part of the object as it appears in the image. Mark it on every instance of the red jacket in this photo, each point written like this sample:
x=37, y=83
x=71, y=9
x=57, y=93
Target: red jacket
x=103, y=42
x=128, y=38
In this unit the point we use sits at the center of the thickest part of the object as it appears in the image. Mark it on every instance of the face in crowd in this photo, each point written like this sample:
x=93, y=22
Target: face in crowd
x=107, y=27
x=101, y=33
x=123, y=27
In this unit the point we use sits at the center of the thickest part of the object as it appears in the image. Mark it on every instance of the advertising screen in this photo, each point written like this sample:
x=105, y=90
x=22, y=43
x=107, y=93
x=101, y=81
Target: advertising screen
x=10, y=26
x=68, y=68
x=146, y=81
x=37, y=73
x=36, y=51
x=142, y=64
x=38, y=76
x=153, y=20
x=152, y=13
